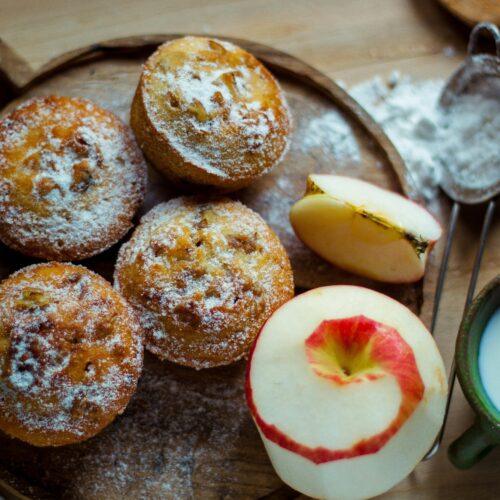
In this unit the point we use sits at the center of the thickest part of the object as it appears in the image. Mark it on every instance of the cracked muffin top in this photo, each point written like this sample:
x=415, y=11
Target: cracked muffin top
x=203, y=275
x=70, y=354
x=208, y=112
x=71, y=178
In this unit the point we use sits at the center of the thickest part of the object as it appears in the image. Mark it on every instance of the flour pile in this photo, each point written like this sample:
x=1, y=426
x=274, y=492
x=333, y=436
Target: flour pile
x=331, y=134
x=462, y=142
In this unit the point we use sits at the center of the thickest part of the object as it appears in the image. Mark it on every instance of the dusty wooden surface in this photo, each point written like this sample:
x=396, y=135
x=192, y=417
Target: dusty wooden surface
x=350, y=40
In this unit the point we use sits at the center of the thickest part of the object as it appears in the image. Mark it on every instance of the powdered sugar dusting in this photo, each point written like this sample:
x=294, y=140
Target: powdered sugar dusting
x=219, y=108
x=461, y=142
x=69, y=355
x=187, y=428
x=331, y=135
x=407, y=112
x=469, y=141
x=208, y=271
x=185, y=434
x=72, y=178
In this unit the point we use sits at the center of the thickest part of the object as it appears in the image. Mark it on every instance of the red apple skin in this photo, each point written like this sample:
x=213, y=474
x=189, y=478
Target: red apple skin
x=388, y=349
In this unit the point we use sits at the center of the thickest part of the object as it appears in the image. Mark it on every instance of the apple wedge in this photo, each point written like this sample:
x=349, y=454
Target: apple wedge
x=348, y=391
x=365, y=229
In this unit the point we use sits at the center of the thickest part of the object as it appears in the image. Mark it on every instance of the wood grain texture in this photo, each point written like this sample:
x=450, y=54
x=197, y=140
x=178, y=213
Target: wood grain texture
x=347, y=39
x=329, y=34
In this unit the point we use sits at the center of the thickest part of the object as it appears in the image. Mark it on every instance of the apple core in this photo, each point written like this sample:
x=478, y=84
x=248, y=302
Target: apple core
x=341, y=350
x=350, y=350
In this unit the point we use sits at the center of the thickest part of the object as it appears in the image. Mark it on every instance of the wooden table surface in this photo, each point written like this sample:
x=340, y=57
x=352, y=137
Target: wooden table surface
x=349, y=40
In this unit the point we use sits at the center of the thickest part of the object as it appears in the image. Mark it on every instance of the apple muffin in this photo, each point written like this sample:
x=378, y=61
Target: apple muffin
x=70, y=354
x=208, y=112
x=203, y=275
x=71, y=178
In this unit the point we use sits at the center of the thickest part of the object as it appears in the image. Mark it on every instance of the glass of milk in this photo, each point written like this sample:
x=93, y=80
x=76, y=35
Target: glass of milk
x=477, y=357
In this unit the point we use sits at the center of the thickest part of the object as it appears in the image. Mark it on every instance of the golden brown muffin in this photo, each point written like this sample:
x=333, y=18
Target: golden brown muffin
x=203, y=276
x=207, y=112
x=70, y=354
x=71, y=178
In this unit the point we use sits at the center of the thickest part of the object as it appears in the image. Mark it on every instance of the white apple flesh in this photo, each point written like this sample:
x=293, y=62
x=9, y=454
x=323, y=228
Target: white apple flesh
x=348, y=391
x=365, y=229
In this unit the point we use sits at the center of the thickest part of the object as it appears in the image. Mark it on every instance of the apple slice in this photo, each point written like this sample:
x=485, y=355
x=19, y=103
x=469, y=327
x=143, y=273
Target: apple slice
x=348, y=391
x=365, y=229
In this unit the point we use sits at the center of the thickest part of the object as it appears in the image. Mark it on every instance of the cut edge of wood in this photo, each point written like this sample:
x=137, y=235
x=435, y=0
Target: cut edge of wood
x=14, y=70
x=10, y=492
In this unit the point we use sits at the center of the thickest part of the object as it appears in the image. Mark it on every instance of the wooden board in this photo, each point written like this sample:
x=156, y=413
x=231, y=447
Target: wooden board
x=187, y=432
x=474, y=11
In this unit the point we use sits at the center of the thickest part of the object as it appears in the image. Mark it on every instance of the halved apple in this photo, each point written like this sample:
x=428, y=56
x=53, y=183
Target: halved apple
x=365, y=229
x=348, y=391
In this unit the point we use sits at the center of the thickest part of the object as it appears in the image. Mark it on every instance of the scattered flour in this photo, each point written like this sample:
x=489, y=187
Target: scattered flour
x=462, y=142
x=407, y=112
x=331, y=134
x=180, y=438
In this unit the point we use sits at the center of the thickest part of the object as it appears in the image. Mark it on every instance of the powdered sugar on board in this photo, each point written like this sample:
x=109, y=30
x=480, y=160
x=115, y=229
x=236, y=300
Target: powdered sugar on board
x=184, y=435
x=461, y=141
x=407, y=112
x=330, y=134
x=74, y=186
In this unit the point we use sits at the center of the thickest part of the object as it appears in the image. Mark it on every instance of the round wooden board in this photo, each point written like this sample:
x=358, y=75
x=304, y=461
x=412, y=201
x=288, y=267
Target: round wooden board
x=474, y=11
x=186, y=433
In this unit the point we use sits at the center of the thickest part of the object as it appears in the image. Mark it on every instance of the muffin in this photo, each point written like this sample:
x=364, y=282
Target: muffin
x=71, y=178
x=70, y=354
x=203, y=276
x=207, y=112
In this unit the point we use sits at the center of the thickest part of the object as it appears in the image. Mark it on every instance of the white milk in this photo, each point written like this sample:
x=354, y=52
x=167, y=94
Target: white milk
x=489, y=358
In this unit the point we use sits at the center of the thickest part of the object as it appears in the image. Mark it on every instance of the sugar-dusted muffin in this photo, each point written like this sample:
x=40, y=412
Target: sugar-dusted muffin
x=207, y=112
x=204, y=275
x=70, y=354
x=71, y=178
